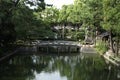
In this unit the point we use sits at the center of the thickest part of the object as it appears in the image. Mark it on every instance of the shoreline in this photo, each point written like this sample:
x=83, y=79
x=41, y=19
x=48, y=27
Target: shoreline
x=8, y=54
x=108, y=55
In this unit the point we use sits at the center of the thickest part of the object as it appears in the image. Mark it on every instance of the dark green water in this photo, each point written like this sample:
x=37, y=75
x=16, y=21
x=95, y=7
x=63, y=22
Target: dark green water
x=53, y=67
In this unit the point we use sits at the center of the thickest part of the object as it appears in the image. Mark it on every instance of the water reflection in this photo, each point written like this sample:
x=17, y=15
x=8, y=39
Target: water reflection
x=49, y=76
x=37, y=67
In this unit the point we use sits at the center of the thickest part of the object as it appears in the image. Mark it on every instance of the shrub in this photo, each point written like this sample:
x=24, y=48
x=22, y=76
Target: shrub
x=79, y=35
x=101, y=47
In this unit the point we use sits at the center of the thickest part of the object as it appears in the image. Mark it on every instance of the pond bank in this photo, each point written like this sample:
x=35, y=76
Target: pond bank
x=109, y=56
x=8, y=54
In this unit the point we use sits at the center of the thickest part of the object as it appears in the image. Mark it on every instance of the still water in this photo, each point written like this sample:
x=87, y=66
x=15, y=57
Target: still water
x=58, y=67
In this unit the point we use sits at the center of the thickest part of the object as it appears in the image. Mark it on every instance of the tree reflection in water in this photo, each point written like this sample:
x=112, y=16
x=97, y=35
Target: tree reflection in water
x=35, y=67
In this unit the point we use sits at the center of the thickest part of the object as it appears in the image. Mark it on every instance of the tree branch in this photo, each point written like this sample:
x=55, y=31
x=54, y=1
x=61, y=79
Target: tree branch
x=16, y=3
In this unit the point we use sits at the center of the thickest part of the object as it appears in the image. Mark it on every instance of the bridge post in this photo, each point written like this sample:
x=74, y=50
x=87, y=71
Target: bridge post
x=69, y=49
x=37, y=48
x=47, y=49
x=78, y=49
x=58, y=50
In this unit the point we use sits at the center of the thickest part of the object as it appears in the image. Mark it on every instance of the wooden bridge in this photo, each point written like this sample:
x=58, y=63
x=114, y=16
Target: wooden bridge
x=59, y=46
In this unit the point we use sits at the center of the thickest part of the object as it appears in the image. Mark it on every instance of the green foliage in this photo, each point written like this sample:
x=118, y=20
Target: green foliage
x=63, y=15
x=101, y=47
x=83, y=13
x=111, y=15
x=17, y=19
x=50, y=15
x=77, y=35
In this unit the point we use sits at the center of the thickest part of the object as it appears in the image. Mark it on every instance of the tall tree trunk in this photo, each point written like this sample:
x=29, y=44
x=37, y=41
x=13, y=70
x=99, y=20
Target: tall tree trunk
x=63, y=32
x=111, y=42
x=95, y=35
x=117, y=45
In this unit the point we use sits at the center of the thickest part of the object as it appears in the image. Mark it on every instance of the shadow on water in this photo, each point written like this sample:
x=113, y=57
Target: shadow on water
x=41, y=66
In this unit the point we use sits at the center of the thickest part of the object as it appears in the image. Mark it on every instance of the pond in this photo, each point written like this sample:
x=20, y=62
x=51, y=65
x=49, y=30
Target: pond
x=76, y=66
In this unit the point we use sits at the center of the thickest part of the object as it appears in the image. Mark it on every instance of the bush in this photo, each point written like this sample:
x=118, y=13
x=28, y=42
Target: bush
x=101, y=47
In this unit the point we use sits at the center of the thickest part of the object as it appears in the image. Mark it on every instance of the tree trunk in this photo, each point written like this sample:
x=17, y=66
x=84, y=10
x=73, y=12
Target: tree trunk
x=117, y=45
x=95, y=36
x=63, y=32
x=111, y=42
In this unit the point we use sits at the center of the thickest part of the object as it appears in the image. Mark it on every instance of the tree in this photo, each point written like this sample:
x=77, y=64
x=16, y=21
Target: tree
x=96, y=11
x=50, y=15
x=11, y=15
x=111, y=23
x=6, y=26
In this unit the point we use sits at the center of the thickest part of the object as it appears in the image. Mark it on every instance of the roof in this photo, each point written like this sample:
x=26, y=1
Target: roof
x=104, y=34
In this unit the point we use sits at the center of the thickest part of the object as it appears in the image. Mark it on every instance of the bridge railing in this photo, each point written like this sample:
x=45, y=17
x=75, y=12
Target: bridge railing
x=58, y=43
